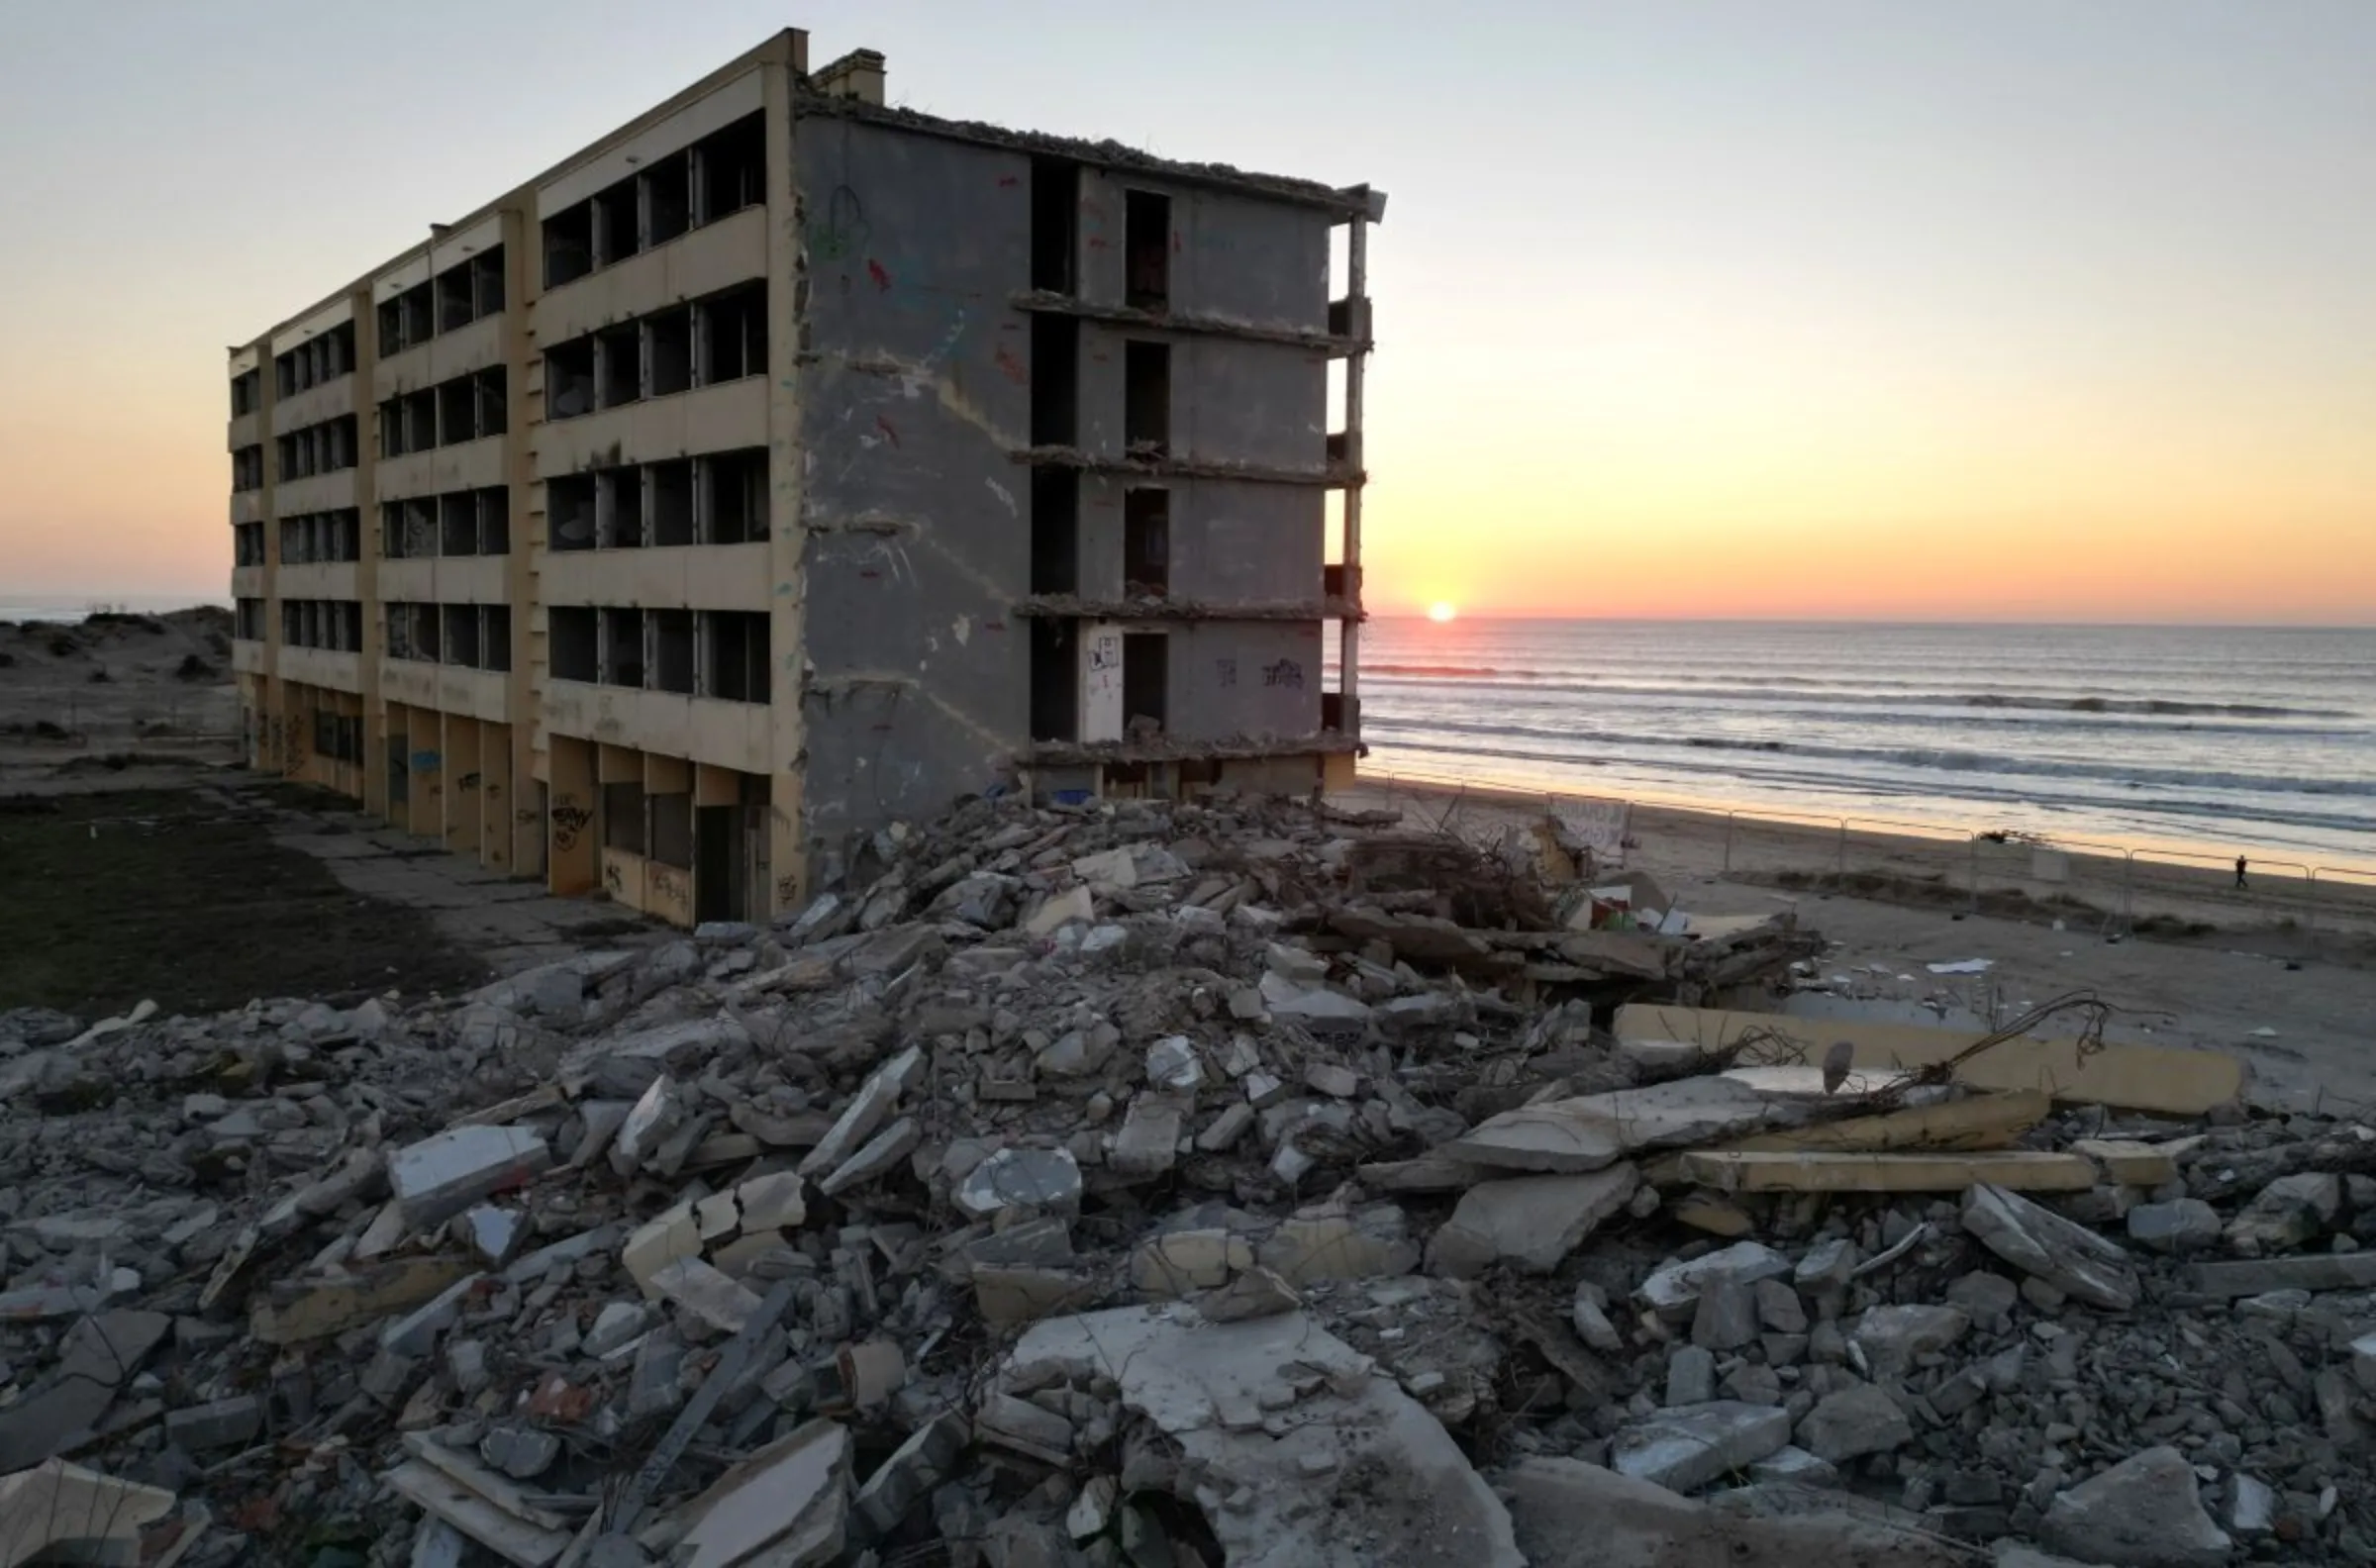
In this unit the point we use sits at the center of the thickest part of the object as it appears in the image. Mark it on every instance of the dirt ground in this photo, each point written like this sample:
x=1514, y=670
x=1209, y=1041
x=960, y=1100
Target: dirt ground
x=184, y=897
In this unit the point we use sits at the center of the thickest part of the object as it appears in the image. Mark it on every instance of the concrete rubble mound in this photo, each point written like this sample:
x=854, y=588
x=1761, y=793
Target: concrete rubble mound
x=1241, y=1182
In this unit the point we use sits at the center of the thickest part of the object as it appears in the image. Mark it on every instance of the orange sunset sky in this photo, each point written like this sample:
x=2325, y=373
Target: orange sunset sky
x=2024, y=309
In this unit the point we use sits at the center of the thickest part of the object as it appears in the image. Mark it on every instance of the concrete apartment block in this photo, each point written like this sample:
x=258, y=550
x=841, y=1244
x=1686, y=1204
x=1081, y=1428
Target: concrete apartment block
x=785, y=464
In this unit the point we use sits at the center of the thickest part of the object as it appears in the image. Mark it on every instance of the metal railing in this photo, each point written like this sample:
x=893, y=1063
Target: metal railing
x=2119, y=888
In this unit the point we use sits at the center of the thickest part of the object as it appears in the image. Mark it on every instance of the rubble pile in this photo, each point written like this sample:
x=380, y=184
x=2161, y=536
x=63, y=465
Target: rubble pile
x=1138, y=1182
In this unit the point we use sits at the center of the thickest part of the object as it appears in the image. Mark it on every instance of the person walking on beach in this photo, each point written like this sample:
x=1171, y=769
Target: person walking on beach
x=2240, y=863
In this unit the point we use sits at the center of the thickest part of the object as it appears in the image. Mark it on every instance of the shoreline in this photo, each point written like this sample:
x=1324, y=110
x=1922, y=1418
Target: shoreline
x=2212, y=855
x=2086, y=891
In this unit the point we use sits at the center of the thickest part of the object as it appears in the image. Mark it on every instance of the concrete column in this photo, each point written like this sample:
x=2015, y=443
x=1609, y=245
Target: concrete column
x=495, y=761
x=569, y=867
x=522, y=828
x=425, y=814
x=463, y=781
x=787, y=268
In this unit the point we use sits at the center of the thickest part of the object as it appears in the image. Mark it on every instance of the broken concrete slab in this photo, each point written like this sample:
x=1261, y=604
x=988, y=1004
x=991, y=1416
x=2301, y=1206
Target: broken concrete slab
x=707, y=1293
x=1570, y=1514
x=786, y=1505
x=1532, y=1221
x=1148, y=1142
x=902, y=1482
x=1591, y=1132
x=1315, y=1007
x=1894, y=1337
x=63, y=1513
x=1853, y=1423
x=873, y=1103
x=2258, y=1277
x=2070, y=1257
x=2152, y=1078
x=440, y=1177
x=881, y=1153
x=1689, y=1447
x=1360, y=1462
x=294, y=1312
x=1673, y=1288
x=2145, y=1512
x=1012, y=1179
x=1337, y=1245
x=2014, y=1170
x=2185, y=1224
x=1975, y=1122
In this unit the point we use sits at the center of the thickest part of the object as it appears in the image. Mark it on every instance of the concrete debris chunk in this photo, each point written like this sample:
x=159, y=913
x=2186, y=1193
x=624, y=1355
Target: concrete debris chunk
x=786, y=1504
x=2145, y=1512
x=2070, y=1257
x=1853, y=1423
x=58, y=1511
x=1390, y=1472
x=1594, y=1130
x=1570, y=1514
x=1672, y=1291
x=440, y=1177
x=1692, y=1445
x=1530, y=1221
x=882, y=1091
x=1018, y=1179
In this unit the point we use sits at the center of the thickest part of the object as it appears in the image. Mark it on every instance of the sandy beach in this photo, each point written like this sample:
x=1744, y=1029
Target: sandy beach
x=2286, y=982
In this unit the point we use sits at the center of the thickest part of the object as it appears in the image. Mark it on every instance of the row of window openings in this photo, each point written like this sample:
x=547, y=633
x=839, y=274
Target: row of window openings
x=720, y=499
x=720, y=339
x=320, y=448
x=459, y=523
x=333, y=624
x=720, y=654
x=1147, y=237
x=1055, y=411
x=464, y=409
x=469, y=636
x=323, y=357
x=716, y=178
x=464, y=292
x=1056, y=536
x=321, y=536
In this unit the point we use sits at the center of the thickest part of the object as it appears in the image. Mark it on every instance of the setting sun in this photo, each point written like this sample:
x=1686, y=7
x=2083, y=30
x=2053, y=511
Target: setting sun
x=1442, y=612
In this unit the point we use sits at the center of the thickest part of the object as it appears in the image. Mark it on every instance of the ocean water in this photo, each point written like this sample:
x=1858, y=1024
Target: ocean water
x=74, y=607
x=2218, y=738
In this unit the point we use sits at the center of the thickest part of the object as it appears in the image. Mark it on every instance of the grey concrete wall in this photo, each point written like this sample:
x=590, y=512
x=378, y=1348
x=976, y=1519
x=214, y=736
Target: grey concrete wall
x=1231, y=541
x=1238, y=257
x=1243, y=679
x=1231, y=401
x=914, y=389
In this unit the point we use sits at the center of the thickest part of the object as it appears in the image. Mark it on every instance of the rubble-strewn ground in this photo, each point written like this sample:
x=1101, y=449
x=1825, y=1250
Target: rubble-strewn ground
x=1149, y=1184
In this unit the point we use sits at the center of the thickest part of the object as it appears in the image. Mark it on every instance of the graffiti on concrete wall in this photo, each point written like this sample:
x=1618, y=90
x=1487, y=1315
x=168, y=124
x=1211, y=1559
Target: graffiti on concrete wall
x=667, y=886
x=1224, y=671
x=569, y=821
x=1286, y=672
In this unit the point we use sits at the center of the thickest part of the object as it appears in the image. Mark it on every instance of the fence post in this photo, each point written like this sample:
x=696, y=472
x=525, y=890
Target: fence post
x=1728, y=816
x=1973, y=844
x=2310, y=919
x=1841, y=873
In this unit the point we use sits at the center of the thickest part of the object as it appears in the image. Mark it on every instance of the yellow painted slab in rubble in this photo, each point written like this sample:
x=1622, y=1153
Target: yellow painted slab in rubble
x=1976, y=1121
x=2152, y=1078
x=2016, y=1170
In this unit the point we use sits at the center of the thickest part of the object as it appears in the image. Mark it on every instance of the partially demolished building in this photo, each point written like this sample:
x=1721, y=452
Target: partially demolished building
x=785, y=464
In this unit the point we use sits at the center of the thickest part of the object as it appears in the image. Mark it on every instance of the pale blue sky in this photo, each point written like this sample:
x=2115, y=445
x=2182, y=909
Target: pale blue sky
x=1817, y=278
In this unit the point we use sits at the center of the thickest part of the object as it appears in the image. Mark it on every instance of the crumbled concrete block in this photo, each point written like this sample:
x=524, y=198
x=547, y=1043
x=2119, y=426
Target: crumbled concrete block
x=1690, y=1376
x=2040, y=1242
x=708, y=1294
x=882, y=1153
x=1894, y=1337
x=2143, y=1512
x=1673, y=1290
x=2185, y=1224
x=440, y=1177
x=1074, y=904
x=224, y=1424
x=1307, y=1248
x=1339, y=1083
x=1686, y=1448
x=416, y=1333
x=1224, y=1131
x=866, y=1111
x=1148, y=1142
x=1048, y=1180
x=1180, y=1261
x=902, y=1482
x=1532, y=1221
x=1853, y=1423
